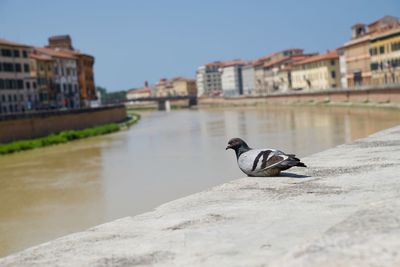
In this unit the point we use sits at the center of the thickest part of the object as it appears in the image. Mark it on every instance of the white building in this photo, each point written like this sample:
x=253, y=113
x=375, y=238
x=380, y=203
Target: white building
x=65, y=77
x=231, y=78
x=248, y=79
x=17, y=88
x=208, y=79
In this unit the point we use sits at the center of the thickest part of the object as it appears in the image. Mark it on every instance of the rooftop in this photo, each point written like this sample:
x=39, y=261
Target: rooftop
x=11, y=43
x=329, y=55
x=56, y=53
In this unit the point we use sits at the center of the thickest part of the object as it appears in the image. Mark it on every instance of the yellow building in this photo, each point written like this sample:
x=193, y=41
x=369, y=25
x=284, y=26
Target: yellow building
x=184, y=86
x=385, y=57
x=42, y=71
x=317, y=72
x=178, y=86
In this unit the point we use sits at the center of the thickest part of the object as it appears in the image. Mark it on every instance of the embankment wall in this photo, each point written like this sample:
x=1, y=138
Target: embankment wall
x=26, y=126
x=377, y=96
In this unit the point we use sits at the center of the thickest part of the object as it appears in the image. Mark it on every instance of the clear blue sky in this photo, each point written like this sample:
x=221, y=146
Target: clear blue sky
x=141, y=40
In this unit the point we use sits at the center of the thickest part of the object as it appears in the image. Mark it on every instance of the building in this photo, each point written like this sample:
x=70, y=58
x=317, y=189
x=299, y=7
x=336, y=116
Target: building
x=248, y=79
x=385, y=56
x=362, y=49
x=85, y=63
x=17, y=88
x=42, y=70
x=65, y=77
x=184, y=86
x=178, y=86
x=208, y=79
x=164, y=88
x=357, y=57
x=138, y=93
x=319, y=72
x=265, y=71
x=231, y=77
x=61, y=42
x=87, y=87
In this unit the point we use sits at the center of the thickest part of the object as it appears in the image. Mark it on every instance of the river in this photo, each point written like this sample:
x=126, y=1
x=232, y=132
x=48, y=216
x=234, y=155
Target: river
x=54, y=191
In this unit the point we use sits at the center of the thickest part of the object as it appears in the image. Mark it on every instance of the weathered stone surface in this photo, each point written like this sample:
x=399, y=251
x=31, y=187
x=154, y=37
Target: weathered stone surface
x=344, y=210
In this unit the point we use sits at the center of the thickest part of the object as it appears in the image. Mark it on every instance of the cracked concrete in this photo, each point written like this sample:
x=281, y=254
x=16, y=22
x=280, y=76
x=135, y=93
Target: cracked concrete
x=344, y=210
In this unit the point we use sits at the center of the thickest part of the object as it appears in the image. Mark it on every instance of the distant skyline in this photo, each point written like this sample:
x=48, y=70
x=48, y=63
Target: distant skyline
x=140, y=40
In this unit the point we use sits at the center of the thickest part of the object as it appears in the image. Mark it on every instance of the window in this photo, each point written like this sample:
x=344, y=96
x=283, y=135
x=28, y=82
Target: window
x=16, y=53
x=18, y=67
x=374, y=66
x=1, y=67
x=396, y=46
x=20, y=84
x=6, y=52
x=34, y=85
x=24, y=53
x=26, y=67
x=381, y=49
x=2, y=85
x=28, y=85
x=8, y=67
x=333, y=74
x=333, y=62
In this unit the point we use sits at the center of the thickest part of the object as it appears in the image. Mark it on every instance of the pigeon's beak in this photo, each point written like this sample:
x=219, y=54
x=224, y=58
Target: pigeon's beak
x=228, y=147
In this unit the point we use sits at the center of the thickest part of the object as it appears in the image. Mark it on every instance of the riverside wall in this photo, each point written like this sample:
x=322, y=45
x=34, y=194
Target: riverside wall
x=26, y=126
x=389, y=96
x=343, y=210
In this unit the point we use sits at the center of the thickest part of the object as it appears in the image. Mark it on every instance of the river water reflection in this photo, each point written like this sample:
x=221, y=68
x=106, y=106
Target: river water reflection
x=50, y=192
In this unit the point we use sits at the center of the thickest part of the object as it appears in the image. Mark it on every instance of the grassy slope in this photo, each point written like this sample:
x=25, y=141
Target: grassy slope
x=66, y=136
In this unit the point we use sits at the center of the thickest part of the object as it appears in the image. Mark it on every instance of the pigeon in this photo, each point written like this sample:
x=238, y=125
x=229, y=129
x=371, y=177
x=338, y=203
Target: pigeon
x=262, y=162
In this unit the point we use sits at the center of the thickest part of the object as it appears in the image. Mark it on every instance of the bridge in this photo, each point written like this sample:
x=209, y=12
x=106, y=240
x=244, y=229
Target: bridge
x=164, y=101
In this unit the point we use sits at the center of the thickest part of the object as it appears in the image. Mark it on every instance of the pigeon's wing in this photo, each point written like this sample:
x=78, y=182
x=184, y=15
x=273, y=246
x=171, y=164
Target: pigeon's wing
x=257, y=160
x=275, y=158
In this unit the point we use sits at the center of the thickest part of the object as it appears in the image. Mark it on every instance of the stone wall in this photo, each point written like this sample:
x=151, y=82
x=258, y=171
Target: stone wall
x=26, y=126
x=389, y=95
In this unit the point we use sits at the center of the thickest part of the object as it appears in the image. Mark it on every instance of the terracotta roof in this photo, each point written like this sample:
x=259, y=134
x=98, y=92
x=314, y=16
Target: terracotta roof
x=40, y=57
x=329, y=55
x=56, y=53
x=233, y=63
x=139, y=90
x=214, y=64
x=276, y=61
x=183, y=79
x=261, y=61
x=11, y=43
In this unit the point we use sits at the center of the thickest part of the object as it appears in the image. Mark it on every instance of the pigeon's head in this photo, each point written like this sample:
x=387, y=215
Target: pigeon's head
x=236, y=144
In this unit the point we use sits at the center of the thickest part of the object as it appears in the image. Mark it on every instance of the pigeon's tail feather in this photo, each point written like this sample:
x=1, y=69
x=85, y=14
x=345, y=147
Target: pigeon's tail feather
x=296, y=161
x=301, y=164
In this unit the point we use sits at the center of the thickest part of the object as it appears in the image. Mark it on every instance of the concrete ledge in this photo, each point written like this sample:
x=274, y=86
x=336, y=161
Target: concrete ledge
x=342, y=211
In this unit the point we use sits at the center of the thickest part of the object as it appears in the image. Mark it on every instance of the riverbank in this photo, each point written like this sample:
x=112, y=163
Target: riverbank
x=341, y=211
x=67, y=136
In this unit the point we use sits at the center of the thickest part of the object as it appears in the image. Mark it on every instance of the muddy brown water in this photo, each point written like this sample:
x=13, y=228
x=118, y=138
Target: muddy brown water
x=50, y=192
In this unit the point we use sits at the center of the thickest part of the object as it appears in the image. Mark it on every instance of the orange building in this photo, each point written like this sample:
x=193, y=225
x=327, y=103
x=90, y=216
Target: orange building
x=86, y=78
